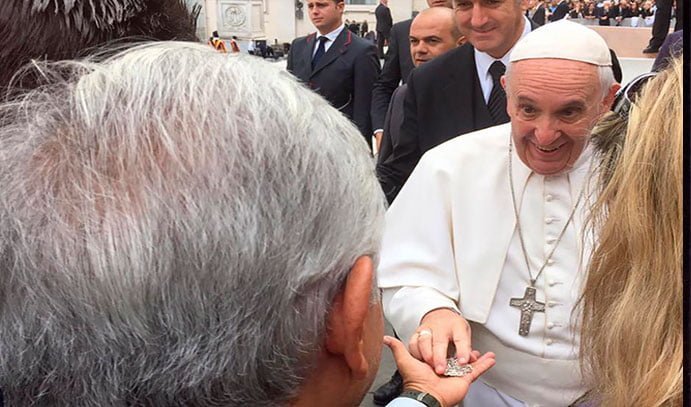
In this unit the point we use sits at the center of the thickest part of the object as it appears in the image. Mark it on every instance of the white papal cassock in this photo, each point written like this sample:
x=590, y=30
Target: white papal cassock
x=450, y=242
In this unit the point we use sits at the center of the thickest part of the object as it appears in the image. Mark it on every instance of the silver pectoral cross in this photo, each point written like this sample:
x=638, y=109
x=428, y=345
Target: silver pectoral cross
x=528, y=306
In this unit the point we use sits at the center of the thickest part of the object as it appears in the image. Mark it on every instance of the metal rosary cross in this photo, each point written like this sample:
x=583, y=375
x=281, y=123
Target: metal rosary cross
x=528, y=306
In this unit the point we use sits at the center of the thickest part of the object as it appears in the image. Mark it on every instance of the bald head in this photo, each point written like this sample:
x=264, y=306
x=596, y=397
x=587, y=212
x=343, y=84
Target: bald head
x=433, y=32
x=440, y=3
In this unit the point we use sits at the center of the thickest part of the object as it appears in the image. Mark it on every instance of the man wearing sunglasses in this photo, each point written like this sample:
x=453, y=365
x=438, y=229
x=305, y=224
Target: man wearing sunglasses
x=484, y=247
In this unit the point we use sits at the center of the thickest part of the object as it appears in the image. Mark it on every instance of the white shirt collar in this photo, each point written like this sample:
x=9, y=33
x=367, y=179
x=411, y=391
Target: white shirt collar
x=332, y=35
x=484, y=60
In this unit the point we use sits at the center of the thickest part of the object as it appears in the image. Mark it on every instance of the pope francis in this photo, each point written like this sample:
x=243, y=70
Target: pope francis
x=484, y=248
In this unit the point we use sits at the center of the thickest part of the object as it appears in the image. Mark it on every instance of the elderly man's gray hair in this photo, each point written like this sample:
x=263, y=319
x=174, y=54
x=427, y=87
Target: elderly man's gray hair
x=174, y=225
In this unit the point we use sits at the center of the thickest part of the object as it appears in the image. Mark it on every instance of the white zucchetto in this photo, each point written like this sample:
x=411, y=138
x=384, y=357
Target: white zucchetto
x=563, y=40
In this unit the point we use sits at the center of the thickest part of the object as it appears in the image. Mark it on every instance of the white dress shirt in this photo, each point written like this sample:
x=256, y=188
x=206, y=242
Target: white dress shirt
x=404, y=402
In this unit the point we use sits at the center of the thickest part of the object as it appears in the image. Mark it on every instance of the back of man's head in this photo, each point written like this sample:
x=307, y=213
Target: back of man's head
x=159, y=252
x=66, y=29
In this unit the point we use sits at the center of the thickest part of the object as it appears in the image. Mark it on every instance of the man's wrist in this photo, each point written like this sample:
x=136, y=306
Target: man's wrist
x=423, y=397
x=454, y=310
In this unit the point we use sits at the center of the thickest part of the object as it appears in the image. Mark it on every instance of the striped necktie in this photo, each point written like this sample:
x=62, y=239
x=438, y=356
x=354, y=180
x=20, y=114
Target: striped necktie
x=497, y=97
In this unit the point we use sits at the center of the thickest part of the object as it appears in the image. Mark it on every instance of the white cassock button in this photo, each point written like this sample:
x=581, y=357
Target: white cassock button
x=551, y=283
x=549, y=198
x=552, y=303
x=550, y=262
x=551, y=240
x=548, y=220
x=550, y=325
x=549, y=342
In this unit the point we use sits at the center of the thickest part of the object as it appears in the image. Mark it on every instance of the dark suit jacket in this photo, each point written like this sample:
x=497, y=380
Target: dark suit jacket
x=444, y=99
x=344, y=75
x=539, y=15
x=384, y=20
x=390, y=140
x=560, y=12
x=397, y=66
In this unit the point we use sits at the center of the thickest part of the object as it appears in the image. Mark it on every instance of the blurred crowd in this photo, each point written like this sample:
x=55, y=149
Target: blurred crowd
x=604, y=12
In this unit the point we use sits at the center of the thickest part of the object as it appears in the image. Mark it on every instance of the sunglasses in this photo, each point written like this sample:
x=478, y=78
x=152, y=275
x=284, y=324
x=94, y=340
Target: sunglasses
x=627, y=95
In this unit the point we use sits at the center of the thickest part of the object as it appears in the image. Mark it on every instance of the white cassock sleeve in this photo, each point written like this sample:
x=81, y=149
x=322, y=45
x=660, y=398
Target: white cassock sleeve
x=417, y=271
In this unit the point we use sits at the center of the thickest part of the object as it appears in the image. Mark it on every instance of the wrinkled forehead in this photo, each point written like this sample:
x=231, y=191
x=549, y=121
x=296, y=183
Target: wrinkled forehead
x=555, y=68
x=554, y=75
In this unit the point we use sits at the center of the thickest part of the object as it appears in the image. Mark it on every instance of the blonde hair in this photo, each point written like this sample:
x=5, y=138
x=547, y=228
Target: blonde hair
x=631, y=339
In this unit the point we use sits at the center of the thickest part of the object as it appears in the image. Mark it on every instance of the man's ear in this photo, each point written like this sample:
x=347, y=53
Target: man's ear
x=502, y=80
x=460, y=41
x=609, y=98
x=348, y=316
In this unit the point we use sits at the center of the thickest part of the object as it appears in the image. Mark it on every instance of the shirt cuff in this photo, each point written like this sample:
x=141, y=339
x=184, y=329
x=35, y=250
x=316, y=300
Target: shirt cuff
x=405, y=402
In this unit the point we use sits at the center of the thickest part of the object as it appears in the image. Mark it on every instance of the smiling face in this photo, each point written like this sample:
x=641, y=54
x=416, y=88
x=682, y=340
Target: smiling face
x=492, y=26
x=551, y=119
x=326, y=15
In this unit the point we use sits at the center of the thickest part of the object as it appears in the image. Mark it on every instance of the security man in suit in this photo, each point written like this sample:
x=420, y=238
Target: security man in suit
x=384, y=23
x=433, y=32
x=336, y=63
x=397, y=67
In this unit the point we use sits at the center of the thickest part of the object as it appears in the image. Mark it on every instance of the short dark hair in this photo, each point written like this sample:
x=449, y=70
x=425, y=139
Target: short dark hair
x=62, y=29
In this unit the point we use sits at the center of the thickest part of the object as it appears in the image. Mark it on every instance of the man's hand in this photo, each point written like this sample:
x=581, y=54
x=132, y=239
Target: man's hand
x=437, y=329
x=378, y=135
x=417, y=375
